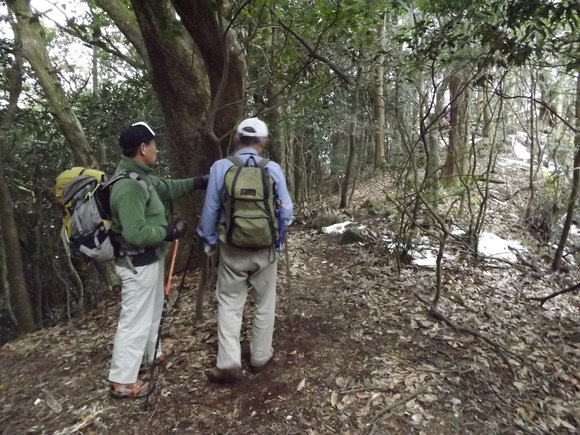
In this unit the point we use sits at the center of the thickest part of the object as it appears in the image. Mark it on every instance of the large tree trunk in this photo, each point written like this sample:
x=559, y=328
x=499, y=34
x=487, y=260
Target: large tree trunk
x=7, y=306
x=379, y=98
x=199, y=77
x=37, y=255
x=351, y=142
x=225, y=65
x=273, y=116
x=300, y=180
x=575, y=186
x=18, y=292
x=457, y=149
x=433, y=137
x=34, y=50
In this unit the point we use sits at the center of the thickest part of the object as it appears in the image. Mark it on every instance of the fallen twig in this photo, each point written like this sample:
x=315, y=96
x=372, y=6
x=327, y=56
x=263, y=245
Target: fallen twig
x=308, y=298
x=501, y=350
x=86, y=421
x=364, y=390
x=401, y=402
x=553, y=295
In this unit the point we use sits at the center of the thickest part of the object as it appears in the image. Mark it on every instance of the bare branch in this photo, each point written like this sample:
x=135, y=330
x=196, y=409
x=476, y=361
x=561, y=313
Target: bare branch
x=315, y=55
x=553, y=295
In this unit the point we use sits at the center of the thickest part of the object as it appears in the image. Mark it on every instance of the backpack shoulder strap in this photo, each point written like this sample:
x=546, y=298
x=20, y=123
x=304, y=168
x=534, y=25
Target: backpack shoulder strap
x=134, y=176
x=236, y=160
x=263, y=163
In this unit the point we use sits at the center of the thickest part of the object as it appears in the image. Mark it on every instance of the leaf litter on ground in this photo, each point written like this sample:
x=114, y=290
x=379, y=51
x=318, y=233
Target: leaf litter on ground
x=365, y=355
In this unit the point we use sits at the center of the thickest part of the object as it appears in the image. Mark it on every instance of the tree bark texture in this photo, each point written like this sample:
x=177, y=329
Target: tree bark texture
x=456, y=151
x=298, y=139
x=5, y=286
x=351, y=142
x=15, y=273
x=379, y=99
x=199, y=77
x=273, y=113
x=225, y=64
x=556, y=264
x=37, y=256
x=433, y=136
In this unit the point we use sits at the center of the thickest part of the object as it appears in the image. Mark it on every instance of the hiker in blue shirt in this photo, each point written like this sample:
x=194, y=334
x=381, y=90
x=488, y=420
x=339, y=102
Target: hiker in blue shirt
x=240, y=268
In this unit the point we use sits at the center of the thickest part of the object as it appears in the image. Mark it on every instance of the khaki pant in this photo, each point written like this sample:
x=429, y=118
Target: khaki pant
x=141, y=309
x=240, y=269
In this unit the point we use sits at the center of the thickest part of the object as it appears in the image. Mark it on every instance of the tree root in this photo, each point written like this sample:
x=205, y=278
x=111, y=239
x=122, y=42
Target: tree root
x=392, y=406
x=553, y=295
x=500, y=350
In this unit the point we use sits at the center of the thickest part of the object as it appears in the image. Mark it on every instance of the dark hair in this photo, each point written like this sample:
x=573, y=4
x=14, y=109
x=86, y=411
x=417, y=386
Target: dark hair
x=250, y=140
x=133, y=136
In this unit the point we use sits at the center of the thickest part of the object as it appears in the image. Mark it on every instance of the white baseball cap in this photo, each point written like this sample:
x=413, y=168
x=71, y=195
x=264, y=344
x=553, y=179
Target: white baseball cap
x=252, y=127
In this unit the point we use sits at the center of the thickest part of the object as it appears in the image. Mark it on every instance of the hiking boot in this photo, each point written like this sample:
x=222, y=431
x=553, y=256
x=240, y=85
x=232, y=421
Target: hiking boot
x=260, y=369
x=129, y=391
x=166, y=354
x=224, y=376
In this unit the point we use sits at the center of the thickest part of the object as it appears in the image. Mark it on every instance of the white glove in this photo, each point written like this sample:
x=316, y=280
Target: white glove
x=209, y=249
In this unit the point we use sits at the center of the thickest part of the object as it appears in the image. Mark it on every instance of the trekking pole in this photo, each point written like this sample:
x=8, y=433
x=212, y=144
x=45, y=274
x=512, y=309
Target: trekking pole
x=203, y=280
x=289, y=289
x=176, y=301
x=158, y=341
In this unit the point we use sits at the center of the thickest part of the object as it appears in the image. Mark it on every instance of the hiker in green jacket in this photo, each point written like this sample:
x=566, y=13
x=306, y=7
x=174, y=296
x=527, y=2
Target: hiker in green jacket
x=142, y=231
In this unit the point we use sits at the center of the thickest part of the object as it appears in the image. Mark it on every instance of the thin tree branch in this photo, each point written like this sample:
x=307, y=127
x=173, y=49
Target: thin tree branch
x=315, y=55
x=101, y=44
x=541, y=103
x=401, y=402
x=553, y=295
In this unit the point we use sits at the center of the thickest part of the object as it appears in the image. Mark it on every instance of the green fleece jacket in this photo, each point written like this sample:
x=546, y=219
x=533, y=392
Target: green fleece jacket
x=139, y=216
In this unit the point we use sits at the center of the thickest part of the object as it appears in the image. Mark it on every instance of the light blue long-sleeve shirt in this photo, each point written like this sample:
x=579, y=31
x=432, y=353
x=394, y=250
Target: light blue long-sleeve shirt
x=213, y=210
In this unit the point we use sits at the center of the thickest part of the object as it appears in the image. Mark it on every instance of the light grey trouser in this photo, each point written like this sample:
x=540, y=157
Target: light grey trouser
x=141, y=309
x=238, y=270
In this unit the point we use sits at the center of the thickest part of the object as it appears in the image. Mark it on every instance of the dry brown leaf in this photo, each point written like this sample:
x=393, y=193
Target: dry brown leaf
x=52, y=402
x=334, y=398
x=301, y=385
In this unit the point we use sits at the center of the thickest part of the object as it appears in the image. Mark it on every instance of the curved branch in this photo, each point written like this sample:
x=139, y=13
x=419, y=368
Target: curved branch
x=96, y=43
x=315, y=55
x=541, y=103
x=553, y=295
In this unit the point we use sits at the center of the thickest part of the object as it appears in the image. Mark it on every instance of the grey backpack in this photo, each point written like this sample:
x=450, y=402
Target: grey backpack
x=84, y=194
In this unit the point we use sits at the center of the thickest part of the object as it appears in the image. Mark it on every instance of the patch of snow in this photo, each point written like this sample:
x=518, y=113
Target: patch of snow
x=426, y=256
x=519, y=145
x=456, y=231
x=512, y=162
x=339, y=228
x=494, y=246
x=550, y=169
x=490, y=245
x=521, y=152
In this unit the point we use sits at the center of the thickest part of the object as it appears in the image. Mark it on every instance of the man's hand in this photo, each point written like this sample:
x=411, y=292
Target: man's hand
x=201, y=182
x=176, y=230
x=209, y=249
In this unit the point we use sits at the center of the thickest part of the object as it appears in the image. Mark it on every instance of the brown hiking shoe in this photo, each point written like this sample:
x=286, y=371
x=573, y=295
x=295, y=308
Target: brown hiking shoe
x=166, y=354
x=224, y=376
x=129, y=391
x=259, y=369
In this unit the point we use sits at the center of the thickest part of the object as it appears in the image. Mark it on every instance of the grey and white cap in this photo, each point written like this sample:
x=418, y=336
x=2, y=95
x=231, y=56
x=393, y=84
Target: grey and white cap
x=252, y=127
